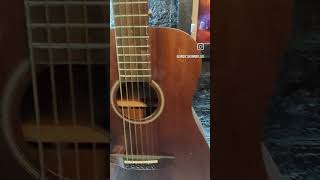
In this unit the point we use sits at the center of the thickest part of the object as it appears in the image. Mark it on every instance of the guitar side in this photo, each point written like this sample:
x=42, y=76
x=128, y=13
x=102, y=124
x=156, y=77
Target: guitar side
x=177, y=131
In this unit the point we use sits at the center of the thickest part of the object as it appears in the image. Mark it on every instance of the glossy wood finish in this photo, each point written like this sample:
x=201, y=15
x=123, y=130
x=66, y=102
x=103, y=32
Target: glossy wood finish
x=177, y=132
x=249, y=42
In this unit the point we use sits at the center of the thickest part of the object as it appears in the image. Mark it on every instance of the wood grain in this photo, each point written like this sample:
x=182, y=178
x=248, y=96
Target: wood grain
x=175, y=130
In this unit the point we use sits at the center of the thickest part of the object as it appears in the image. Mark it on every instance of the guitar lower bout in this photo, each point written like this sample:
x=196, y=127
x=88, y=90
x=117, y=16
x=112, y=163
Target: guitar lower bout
x=170, y=144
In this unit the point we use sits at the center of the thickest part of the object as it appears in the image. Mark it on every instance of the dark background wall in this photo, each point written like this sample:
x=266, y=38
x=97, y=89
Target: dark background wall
x=250, y=38
x=13, y=48
x=292, y=131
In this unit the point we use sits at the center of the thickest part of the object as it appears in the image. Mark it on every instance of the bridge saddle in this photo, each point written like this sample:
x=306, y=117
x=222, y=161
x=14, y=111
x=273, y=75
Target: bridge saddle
x=141, y=162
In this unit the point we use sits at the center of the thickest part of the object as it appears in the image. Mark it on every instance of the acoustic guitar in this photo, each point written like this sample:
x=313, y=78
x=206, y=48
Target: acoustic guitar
x=154, y=132
x=53, y=120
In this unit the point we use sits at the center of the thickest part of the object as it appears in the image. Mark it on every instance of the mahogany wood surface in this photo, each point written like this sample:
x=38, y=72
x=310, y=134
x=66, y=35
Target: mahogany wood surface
x=249, y=41
x=177, y=131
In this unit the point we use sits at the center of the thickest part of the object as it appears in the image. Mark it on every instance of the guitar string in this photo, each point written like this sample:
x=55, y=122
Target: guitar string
x=136, y=109
x=143, y=110
x=71, y=87
x=126, y=82
x=143, y=88
x=35, y=98
x=133, y=31
x=119, y=74
x=145, y=82
x=152, y=124
x=142, y=71
x=122, y=33
x=149, y=95
x=148, y=98
x=90, y=90
x=150, y=104
x=144, y=126
x=53, y=93
x=129, y=51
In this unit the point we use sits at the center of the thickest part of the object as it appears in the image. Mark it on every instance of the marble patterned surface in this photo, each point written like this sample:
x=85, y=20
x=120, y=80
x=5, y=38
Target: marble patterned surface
x=293, y=135
x=201, y=102
x=292, y=130
x=164, y=13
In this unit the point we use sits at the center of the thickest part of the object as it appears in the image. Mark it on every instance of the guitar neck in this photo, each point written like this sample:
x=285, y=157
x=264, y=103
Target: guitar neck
x=132, y=40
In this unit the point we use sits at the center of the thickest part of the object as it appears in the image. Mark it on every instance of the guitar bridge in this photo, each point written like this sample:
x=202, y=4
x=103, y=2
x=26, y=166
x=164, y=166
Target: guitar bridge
x=141, y=162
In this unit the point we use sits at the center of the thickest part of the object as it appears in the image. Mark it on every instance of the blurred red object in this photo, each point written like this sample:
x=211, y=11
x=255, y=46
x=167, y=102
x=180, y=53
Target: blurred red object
x=203, y=36
x=203, y=32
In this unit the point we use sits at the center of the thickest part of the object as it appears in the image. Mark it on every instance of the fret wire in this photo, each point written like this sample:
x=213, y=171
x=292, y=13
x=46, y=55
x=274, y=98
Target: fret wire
x=115, y=1
x=125, y=59
x=133, y=54
x=132, y=37
x=53, y=93
x=141, y=134
x=131, y=15
x=90, y=91
x=135, y=75
x=136, y=66
x=144, y=19
x=116, y=27
x=133, y=46
x=35, y=95
x=135, y=69
x=133, y=2
x=71, y=86
x=146, y=62
x=128, y=13
x=130, y=135
x=135, y=79
x=131, y=23
x=120, y=87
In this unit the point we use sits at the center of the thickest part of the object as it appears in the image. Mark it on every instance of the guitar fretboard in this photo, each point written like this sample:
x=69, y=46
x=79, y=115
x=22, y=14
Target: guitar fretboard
x=131, y=22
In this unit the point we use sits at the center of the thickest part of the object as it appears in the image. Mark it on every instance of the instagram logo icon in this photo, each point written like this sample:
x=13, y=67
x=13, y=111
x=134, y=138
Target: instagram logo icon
x=200, y=46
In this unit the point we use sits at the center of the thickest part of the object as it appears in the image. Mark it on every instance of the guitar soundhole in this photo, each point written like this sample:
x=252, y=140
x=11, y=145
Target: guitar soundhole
x=137, y=102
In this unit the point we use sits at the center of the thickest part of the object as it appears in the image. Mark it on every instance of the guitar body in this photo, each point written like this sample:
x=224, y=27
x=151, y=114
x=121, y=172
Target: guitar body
x=178, y=132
